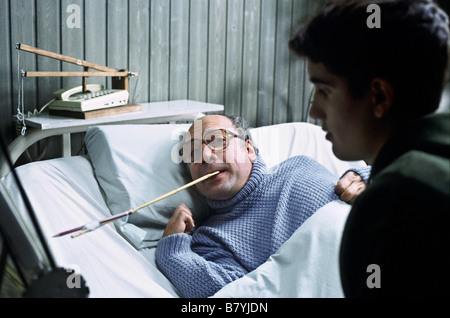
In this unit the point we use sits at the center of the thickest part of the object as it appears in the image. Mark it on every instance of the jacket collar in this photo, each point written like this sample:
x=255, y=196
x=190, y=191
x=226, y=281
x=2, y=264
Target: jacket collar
x=430, y=134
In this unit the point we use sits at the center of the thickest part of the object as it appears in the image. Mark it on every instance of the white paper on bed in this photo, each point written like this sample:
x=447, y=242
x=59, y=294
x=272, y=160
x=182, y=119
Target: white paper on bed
x=64, y=194
x=306, y=265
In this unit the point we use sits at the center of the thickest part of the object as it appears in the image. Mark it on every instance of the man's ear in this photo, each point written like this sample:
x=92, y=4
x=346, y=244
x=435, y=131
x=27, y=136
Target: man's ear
x=382, y=96
x=250, y=150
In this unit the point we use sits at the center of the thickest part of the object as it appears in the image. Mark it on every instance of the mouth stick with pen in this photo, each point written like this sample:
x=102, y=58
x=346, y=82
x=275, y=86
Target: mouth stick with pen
x=96, y=224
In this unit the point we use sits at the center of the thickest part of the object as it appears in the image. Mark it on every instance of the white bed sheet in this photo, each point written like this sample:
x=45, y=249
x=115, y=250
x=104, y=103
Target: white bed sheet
x=305, y=266
x=65, y=194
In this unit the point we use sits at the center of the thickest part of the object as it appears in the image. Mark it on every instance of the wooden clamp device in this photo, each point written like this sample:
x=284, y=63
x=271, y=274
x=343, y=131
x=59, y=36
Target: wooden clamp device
x=119, y=78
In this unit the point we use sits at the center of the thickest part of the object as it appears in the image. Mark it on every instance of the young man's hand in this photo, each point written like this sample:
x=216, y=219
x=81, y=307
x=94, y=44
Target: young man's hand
x=349, y=187
x=180, y=222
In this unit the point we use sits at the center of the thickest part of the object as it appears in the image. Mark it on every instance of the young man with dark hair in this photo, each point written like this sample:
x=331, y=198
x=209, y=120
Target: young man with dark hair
x=376, y=93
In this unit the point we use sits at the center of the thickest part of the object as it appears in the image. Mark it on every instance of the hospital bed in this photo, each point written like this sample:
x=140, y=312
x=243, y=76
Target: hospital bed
x=127, y=165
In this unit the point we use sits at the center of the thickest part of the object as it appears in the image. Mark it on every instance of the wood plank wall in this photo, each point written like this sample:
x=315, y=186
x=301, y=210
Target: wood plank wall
x=230, y=52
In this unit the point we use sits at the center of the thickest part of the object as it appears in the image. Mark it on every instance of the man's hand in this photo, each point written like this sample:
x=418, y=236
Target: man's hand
x=349, y=187
x=180, y=222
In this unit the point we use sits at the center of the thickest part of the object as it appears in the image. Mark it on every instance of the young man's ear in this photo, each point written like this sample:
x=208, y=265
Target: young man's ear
x=382, y=96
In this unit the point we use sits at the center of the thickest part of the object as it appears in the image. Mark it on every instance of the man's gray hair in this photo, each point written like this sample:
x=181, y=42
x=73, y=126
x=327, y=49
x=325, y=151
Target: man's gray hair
x=243, y=128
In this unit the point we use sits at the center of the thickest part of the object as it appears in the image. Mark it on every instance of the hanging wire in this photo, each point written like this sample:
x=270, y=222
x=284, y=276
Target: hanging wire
x=20, y=100
x=21, y=126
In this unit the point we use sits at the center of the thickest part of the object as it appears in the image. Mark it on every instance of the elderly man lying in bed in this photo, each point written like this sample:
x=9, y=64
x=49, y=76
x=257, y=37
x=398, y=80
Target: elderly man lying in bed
x=254, y=210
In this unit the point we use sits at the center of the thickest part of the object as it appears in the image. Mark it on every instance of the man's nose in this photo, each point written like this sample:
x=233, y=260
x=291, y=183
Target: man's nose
x=316, y=111
x=208, y=155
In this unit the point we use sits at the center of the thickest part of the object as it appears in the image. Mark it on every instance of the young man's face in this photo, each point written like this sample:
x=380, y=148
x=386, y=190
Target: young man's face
x=346, y=120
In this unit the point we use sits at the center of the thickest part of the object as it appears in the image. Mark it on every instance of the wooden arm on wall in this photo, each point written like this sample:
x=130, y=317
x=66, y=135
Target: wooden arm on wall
x=120, y=78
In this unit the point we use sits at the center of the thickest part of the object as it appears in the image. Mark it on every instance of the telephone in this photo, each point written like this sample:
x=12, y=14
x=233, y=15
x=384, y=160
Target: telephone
x=95, y=97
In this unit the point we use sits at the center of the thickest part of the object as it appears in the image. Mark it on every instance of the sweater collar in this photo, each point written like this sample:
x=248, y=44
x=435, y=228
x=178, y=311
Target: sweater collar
x=256, y=176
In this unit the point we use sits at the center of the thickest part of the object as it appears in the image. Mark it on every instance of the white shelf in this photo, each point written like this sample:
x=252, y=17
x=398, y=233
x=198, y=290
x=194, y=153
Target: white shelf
x=151, y=113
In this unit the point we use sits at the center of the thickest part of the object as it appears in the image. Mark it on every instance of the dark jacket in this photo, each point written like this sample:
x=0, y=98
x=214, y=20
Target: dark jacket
x=401, y=222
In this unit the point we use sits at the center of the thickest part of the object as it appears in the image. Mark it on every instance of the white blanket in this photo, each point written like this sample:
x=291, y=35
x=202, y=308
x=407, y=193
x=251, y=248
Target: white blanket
x=305, y=266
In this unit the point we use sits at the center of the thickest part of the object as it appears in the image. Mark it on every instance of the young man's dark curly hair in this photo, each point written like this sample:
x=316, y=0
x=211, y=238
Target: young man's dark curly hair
x=410, y=49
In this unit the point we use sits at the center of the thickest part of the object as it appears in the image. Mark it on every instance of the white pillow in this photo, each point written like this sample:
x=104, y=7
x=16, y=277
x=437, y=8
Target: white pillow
x=133, y=165
x=282, y=141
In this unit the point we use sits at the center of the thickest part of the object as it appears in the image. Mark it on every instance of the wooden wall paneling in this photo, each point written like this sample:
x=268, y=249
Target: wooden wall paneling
x=139, y=47
x=72, y=41
x=198, y=50
x=48, y=37
x=179, y=49
x=159, y=53
x=47, y=22
x=216, y=51
x=117, y=35
x=233, y=60
x=297, y=105
x=266, y=62
x=282, y=59
x=232, y=52
x=250, y=63
x=6, y=70
x=95, y=36
x=23, y=31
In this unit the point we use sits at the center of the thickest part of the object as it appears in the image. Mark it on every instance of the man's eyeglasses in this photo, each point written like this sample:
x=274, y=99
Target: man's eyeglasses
x=216, y=139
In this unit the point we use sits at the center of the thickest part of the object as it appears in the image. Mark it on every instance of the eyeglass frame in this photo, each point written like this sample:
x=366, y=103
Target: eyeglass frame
x=225, y=133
